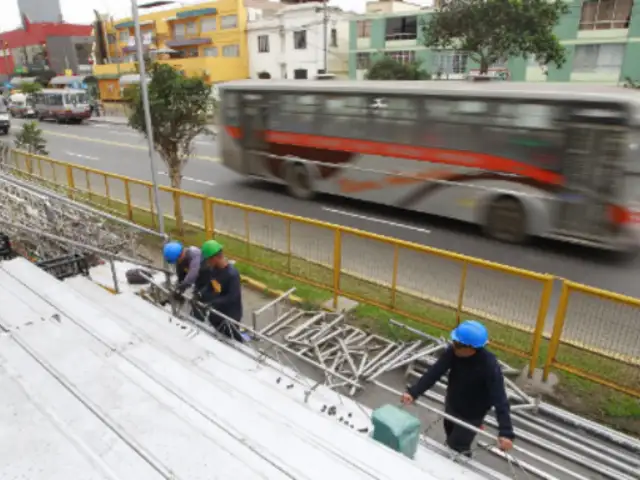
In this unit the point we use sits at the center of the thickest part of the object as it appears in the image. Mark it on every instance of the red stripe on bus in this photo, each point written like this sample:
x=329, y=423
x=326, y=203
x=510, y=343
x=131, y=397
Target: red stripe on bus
x=425, y=154
x=234, y=132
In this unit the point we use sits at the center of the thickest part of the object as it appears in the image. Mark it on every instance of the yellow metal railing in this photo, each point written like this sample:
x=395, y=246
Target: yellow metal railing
x=426, y=285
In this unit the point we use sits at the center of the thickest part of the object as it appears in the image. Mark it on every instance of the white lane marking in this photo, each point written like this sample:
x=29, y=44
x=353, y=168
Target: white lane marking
x=376, y=220
x=79, y=155
x=190, y=179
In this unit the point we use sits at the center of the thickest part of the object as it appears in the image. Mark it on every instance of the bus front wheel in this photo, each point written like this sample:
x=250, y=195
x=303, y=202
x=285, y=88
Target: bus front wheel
x=506, y=220
x=299, y=182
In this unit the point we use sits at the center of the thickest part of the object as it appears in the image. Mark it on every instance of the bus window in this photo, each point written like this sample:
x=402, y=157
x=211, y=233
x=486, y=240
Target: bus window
x=344, y=116
x=394, y=119
x=294, y=113
x=528, y=133
x=230, y=114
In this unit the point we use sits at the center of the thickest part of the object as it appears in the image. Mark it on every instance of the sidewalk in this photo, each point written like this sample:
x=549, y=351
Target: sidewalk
x=109, y=120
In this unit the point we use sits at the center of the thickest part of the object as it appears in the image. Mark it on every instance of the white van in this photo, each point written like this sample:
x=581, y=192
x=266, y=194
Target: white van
x=68, y=105
x=21, y=105
x=5, y=121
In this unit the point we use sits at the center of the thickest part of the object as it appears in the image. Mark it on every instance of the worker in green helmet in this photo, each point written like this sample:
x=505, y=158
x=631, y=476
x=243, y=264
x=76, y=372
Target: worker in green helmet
x=218, y=287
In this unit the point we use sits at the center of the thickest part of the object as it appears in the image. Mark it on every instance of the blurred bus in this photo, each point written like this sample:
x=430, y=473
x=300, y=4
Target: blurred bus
x=521, y=160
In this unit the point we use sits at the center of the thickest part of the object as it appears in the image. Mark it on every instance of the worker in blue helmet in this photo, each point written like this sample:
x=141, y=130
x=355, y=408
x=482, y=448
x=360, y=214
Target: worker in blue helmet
x=475, y=384
x=187, y=262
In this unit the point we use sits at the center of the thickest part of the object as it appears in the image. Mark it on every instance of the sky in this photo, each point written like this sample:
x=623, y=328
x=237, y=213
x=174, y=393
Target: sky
x=81, y=11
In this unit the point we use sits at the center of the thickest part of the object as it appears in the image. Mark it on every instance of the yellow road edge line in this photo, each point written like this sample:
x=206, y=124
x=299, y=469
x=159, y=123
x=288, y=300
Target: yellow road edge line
x=119, y=144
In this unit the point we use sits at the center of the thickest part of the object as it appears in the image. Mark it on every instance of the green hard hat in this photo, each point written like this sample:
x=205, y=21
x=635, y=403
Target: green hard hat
x=210, y=248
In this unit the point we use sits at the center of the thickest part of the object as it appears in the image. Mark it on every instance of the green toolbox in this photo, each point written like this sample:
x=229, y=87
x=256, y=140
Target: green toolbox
x=397, y=429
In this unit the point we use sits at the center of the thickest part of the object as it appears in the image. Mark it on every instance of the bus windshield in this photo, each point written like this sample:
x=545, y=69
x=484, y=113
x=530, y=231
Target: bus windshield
x=75, y=98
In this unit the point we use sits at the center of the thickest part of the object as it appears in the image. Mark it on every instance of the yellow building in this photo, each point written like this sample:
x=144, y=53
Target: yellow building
x=206, y=39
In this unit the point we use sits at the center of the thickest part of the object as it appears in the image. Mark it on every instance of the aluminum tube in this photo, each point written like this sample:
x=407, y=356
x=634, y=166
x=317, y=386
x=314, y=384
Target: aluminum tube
x=303, y=326
x=114, y=276
x=422, y=353
x=530, y=468
x=401, y=354
x=77, y=205
x=282, y=322
x=87, y=248
x=559, y=431
x=324, y=330
x=592, y=427
x=578, y=446
x=274, y=301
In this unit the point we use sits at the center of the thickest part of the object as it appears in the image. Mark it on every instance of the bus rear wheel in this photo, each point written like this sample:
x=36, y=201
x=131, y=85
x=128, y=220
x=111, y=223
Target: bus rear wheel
x=299, y=183
x=506, y=220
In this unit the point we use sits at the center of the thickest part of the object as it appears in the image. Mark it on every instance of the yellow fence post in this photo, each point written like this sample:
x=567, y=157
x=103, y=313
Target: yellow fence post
x=337, y=266
x=463, y=284
x=71, y=184
x=152, y=208
x=206, y=212
x=288, y=245
x=107, y=191
x=394, y=275
x=247, y=233
x=28, y=164
x=127, y=196
x=558, y=325
x=40, y=172
x=88, y=183
x=212, y=215
x=540, y=322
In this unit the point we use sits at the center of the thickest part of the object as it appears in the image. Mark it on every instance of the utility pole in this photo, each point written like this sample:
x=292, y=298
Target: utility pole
x=325, y=29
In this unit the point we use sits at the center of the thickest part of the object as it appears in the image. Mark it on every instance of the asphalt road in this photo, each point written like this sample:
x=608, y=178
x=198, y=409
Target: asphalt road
x=118, y=149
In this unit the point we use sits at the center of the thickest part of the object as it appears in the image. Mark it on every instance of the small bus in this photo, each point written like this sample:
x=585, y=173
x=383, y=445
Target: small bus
x=64, y=106
x=521, y=160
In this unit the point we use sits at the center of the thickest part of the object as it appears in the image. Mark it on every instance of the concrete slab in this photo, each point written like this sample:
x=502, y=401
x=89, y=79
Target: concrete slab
x=536, y=385
x=344, y=305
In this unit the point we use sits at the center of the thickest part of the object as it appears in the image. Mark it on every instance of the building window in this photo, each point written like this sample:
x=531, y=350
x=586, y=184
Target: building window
x=111, y=39
x=191, y=28
x=263, y=43
x=300, y=74
x=300, y=40
x=211, y=52
x=363, y=28
x=363, y=61
x=605, y=14
x=402, y=56
x=447, y=63
x=334, y=37
x=228, y=21
x=602, y=58
x=123, y=36
x=190, y=52
x=178, y=30
x=231, y=51
x=402, y=28
x=208, y=24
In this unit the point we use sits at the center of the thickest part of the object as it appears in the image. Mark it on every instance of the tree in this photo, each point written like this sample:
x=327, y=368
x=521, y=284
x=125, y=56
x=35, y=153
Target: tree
x=30, y=88
x=494, y=30
x=387, y=68
x=264, y=75
x=179, y=107
x=30, y=139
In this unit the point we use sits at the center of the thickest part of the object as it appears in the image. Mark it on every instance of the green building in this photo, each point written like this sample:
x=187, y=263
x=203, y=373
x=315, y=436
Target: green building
x=601, y=37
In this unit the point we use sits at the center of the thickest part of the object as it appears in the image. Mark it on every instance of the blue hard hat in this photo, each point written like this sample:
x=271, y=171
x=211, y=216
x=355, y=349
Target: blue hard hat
x=471, y=333
x=172, y=251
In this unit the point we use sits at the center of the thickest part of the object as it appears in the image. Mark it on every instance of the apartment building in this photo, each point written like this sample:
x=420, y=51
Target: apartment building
x=601, y=37
x=205, y=39
x=290, y=43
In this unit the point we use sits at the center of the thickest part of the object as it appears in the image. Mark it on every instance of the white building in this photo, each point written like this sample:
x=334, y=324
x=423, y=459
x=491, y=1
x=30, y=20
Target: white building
x=290, y=43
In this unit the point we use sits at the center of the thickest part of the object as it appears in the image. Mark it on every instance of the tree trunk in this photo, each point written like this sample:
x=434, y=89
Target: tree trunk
x=484, y=66
x=176, y=182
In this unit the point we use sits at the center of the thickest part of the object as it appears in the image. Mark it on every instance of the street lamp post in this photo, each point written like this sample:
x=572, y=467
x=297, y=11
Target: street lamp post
x=147, y=113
